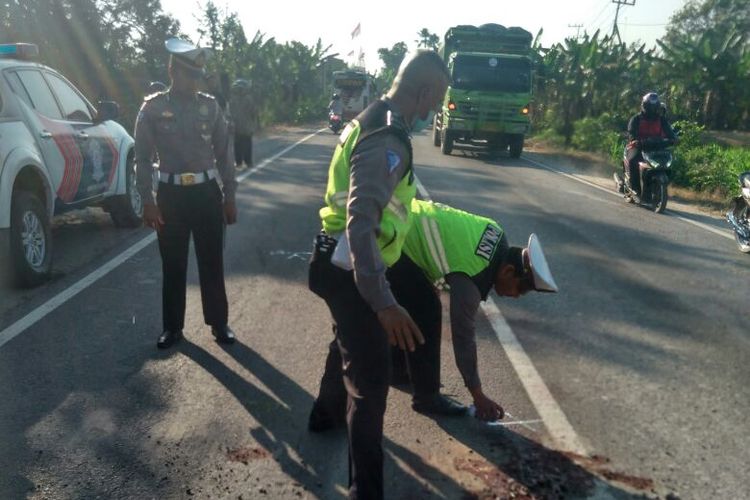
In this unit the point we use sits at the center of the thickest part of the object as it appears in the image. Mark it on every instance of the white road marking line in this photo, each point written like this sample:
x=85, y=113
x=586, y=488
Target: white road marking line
x=557, y=424
x=706, y=227
x=263, y=164
x=61, y=298
x=421, y=188
x=43, y=310
x=723, y=234
x=570, y=176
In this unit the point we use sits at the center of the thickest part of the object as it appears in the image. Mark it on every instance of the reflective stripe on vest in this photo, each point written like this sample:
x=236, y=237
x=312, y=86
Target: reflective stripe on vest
x=395, y=220
x=445, y=240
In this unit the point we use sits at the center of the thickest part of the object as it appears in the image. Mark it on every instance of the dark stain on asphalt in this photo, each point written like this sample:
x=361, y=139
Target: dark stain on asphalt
x=247, y=454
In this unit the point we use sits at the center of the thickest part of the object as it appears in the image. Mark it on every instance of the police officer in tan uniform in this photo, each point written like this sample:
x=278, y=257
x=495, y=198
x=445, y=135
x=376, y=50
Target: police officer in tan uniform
x=188, y=131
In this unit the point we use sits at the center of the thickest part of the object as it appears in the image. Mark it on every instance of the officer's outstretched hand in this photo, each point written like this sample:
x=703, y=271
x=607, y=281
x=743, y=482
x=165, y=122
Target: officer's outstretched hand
x=487, y=409
x=230, y=212
x=152, y=216
x=399, y=326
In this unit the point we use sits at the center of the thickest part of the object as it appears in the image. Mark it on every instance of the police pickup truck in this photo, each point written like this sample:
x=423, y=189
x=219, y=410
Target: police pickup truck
x=57, y=153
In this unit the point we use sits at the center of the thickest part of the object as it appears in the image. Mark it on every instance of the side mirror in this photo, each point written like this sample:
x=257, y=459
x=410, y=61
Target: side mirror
x=107, y=110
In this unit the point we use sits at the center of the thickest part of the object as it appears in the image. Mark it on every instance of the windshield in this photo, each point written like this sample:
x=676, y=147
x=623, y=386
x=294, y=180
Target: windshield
x=474, y=72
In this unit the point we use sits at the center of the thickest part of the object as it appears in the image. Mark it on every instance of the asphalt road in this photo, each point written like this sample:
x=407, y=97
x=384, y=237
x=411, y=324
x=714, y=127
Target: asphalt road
x=644, y=352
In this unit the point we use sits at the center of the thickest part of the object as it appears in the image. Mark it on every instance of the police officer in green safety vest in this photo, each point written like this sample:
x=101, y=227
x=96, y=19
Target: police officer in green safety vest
x=470, y=254
x=365, y=221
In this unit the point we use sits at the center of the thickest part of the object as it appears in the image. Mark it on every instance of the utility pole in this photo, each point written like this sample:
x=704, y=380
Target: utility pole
x=577, y=27
x=615, y=29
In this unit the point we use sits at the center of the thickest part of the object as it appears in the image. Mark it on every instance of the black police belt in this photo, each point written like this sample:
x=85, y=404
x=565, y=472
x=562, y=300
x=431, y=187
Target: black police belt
x=187, y=179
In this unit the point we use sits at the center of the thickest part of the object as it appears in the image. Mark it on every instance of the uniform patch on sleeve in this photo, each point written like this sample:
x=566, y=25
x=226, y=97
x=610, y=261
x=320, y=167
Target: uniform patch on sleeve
x=394, y=160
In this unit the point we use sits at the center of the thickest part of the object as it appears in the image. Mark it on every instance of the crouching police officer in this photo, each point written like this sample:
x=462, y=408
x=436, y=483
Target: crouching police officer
x=188, y=131
x=470, y=253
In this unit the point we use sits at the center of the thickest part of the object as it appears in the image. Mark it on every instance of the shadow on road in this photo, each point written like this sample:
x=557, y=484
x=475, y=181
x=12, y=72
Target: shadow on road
x=513, y=466
x=282, y=427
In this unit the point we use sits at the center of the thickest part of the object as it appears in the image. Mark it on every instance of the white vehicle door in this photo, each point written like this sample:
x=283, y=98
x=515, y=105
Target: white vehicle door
x=63, y=142
x=98, y=151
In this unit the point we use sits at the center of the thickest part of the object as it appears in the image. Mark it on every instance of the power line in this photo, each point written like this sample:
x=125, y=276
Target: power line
x=577, y=27
x=615, y=29
x=599, y=15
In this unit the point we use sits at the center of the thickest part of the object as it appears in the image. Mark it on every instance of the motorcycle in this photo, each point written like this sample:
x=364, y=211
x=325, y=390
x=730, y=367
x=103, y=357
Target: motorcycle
x=738, y=215
x=335, y=123
x=654, y=171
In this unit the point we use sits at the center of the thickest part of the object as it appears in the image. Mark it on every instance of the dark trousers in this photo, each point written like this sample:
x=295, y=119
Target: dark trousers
x=192, y=210
x=634, y=157
x=361, y=354
x=414, y=292
x=243, y=149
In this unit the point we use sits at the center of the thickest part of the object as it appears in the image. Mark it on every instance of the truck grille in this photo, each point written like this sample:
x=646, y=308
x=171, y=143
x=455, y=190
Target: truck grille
x=490, y=113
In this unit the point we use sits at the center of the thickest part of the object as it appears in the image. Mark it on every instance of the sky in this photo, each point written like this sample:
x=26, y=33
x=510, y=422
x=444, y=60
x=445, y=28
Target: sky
x=386, y=22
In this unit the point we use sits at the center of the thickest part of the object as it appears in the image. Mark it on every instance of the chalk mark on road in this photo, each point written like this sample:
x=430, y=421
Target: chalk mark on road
x=304, y=256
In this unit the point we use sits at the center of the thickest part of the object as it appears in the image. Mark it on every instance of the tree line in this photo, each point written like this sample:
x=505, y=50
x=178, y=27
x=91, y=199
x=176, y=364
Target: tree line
x=111, y=49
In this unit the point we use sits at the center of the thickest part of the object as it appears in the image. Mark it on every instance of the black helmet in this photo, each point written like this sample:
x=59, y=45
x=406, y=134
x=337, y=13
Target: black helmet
x=650, y=104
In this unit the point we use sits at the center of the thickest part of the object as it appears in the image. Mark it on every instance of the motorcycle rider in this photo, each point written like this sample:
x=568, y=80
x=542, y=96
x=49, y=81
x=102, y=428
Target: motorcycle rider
x=335, y=107
x=648, y=124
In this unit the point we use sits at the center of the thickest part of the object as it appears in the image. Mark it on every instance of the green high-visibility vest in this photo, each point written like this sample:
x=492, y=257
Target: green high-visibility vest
x=396, y=218
x=445, y=240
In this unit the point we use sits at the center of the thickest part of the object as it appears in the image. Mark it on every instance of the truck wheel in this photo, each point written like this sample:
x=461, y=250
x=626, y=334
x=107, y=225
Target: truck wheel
x=446, y=142
x=516, y=146
x=435, y=132
x=30, y=240
x=127, y=210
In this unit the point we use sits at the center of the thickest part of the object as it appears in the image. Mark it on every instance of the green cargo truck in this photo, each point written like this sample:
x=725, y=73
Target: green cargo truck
x=490, y=95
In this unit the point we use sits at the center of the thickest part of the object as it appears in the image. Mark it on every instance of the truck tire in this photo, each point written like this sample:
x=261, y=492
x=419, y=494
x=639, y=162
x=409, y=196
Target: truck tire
x=30, y=240
x=446, y=142
x=127, y=210
x=435, y=132
x=516, y=146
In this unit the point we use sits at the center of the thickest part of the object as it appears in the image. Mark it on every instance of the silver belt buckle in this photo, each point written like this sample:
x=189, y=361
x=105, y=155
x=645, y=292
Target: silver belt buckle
x=187, y=179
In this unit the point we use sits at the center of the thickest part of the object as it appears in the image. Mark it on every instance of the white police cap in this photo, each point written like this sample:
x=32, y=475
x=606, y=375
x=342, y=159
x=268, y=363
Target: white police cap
x=189, y=56
x=540, y=273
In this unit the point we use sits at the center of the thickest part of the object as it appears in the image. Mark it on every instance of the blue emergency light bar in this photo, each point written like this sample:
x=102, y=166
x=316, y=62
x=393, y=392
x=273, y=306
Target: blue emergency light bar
x=19, y=50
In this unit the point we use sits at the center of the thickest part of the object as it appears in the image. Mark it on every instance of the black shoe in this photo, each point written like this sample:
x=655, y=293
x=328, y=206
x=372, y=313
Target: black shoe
x=438, y=405
x=223, y=334
x=321, y=420
x=168, y=338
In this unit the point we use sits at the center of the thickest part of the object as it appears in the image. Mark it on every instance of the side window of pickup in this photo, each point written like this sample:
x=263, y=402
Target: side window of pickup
x=38, y=93
x=74, y=107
